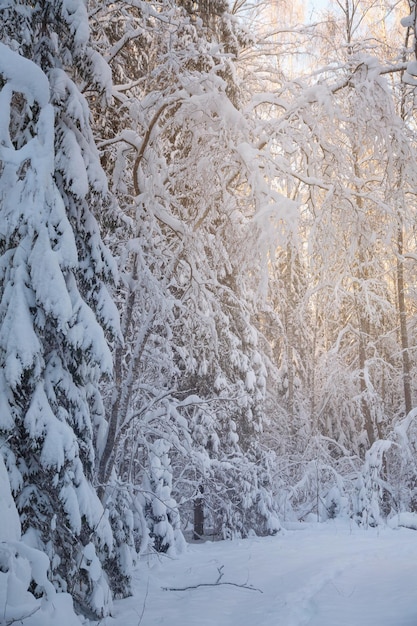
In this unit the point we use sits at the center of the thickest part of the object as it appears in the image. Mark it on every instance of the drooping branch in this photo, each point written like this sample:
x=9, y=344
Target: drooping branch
x=145, y=143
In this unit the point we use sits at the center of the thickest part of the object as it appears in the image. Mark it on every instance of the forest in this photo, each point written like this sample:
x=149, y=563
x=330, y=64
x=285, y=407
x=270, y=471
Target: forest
x=208, y=270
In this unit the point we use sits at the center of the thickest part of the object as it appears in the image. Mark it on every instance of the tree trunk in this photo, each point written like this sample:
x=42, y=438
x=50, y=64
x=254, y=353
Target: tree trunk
x=403, y=324
x=290, y=335
x=366, y=412
x=199, y=515
x=363, y=321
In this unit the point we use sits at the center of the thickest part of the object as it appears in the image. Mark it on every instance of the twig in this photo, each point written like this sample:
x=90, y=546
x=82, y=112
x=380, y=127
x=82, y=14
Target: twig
x=144, y=604
x=211, y=585
x=219, y=569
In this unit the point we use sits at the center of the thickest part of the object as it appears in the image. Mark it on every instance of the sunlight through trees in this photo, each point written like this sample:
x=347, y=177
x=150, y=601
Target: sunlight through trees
x=208, y=276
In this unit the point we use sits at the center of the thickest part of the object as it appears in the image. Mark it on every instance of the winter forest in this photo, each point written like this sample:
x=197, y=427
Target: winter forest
x=208, y=281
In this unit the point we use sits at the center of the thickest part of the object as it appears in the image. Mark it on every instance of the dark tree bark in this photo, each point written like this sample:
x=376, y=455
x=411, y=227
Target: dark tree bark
x=199, y=515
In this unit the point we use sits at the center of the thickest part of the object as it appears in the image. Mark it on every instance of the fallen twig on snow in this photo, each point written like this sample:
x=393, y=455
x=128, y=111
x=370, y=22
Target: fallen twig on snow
x=211, y=585
x=216, y=584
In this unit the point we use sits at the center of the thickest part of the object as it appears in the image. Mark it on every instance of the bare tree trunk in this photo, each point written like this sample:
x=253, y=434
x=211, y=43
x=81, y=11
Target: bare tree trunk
x=405, y=355
x=121, y=396
x=290, y=334
x=366, y=412
x=403, y=324
x=124, y=381
x=199, y=515
x=363, y=322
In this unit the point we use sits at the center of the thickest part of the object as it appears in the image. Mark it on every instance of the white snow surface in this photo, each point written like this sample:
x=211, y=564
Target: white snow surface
x=332, y=574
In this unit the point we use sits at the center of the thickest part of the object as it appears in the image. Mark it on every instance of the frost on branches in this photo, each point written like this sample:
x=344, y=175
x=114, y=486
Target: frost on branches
x=52, y=349
x=183, y=162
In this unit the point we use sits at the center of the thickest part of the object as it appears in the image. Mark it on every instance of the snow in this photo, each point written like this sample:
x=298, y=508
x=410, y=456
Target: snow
x=59, y=444
x=408, y=20
x=10, y=526
x=24, y=76
x=406, y=519
x=412, y=68
x=91, y=563
x=75, y=14
x=21, y=564
x=311, y=574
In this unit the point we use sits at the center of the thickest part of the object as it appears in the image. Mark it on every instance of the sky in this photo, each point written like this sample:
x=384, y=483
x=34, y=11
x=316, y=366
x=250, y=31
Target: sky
x=314, y=6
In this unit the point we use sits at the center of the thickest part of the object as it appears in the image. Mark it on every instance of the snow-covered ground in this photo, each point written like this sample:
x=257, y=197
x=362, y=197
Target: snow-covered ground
x=333, y=574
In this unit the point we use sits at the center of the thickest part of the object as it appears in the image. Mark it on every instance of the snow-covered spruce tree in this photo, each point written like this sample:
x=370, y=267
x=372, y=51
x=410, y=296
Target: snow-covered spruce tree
x=161, y=510
x=399, y=470
x=371, y=483
x=54, y=301
x=27, y=596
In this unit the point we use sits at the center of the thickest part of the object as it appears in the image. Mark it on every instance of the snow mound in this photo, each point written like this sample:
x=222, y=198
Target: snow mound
x=406, y=520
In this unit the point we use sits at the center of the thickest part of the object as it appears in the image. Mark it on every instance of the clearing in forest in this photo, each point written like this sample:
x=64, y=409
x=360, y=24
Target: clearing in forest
x=316, y=575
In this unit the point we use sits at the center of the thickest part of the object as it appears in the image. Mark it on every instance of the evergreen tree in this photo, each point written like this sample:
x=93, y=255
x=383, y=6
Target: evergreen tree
x=26, y=594
x=54, y=300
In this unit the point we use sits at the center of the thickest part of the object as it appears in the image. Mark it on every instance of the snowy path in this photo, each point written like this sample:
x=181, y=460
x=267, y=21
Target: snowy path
x=328, y=575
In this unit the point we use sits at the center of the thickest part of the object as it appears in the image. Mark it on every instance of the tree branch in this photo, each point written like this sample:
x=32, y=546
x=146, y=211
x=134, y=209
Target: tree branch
x=216, y=584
